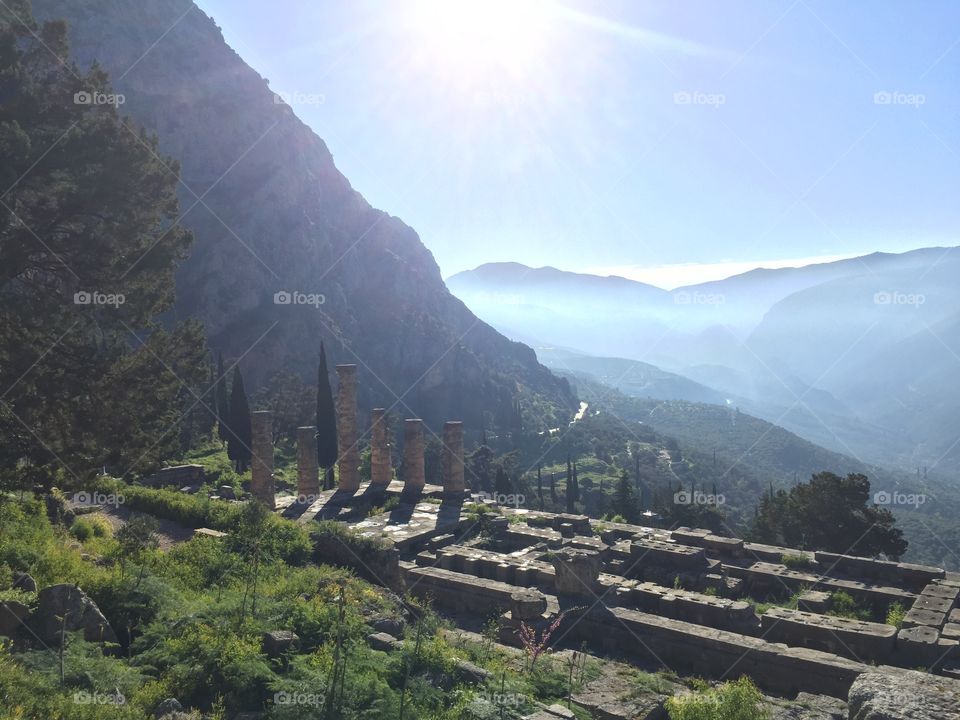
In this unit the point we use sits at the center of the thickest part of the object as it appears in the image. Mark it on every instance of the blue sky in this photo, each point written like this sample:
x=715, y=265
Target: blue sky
x=666, y=141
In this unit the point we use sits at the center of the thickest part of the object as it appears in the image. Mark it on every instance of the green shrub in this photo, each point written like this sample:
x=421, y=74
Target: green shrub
x=84, y=528
x=736, y=700
x=846, y=607
x=796, y=562
x=895, y=615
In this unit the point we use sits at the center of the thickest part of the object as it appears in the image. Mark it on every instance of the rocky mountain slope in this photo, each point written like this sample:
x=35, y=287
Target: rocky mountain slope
x=272, y=214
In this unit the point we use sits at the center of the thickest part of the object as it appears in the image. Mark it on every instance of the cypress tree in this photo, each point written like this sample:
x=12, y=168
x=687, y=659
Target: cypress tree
x=553, y=488
x=502, y=483
x=222, y=402
x=624, y=499
x=576, y=484
x=539, y=486
x=326, y=422
x=571, y=492
x=240, y=435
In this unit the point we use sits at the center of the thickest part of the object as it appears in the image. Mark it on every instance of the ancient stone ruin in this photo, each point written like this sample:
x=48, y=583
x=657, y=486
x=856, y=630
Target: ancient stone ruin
x=261, y=460
x=686, y=598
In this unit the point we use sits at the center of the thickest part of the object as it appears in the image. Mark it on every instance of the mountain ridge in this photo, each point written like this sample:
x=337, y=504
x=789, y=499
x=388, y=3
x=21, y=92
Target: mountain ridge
x=272, y=214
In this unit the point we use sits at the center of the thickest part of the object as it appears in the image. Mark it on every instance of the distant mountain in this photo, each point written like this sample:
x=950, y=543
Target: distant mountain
x=742, y=456
x=631, y=377
x=829, y=351
x=272, y=214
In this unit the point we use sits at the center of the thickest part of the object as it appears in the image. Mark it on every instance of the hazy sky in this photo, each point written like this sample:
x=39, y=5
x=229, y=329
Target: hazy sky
x=639, y=138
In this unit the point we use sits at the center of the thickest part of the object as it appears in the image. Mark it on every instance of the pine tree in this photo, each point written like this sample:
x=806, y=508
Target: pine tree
x=326, y=422
x=239, y=433
x=223, y=402
x=89, y=211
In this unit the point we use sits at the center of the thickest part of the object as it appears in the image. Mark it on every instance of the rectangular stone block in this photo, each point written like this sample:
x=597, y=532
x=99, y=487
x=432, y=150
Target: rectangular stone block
x=917, y=647
x=658, y=552
x=922, y=617
x=947, y=592
x=936, y=604
x=853, y=639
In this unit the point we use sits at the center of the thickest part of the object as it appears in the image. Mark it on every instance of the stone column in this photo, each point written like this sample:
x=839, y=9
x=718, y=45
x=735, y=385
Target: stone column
x=348, y=446
x=308, y=472
x=451, y=467
x=261, y=460
x=381, y=467
x=413, y=472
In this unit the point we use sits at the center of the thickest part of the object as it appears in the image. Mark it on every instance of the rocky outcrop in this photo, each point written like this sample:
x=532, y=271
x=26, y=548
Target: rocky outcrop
x=69, y=602
x=904, y=695
x=272, y=216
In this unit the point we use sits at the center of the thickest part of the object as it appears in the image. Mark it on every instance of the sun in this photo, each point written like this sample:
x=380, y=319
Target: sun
x=483, y=35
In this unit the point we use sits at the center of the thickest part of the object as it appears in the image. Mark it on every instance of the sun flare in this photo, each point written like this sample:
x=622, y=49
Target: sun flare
x=483, y=35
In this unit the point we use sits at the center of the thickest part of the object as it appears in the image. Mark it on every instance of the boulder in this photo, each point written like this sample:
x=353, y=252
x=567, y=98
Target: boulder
x=382, y=641
x=69, y=602
x=24, y=581
x=167, y=708
x=387, y=624
x=277, y=642
x=13, y=614
x=904, y=695
x=471, y=674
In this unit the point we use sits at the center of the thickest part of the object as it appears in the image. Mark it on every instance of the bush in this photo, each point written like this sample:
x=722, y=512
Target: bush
x=737, y=700
x=796, y=562
x=84, y=528
x=895, y=615
x=846, y=607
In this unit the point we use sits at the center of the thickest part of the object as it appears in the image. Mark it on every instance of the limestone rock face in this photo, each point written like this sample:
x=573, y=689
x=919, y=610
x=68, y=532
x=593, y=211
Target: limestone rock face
x=277, y=216
x=82, y=613
x=904, y=695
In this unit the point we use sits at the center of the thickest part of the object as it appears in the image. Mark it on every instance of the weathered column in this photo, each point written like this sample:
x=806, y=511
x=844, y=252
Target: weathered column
x=381, y=467
x=348, y=446
x=413, y=472
x=451, y=467
x=308, y=472
x=261, y=457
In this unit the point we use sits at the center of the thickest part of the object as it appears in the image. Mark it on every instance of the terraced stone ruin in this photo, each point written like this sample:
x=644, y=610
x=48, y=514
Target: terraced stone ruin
x=682, y=598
